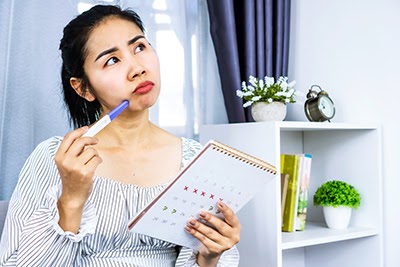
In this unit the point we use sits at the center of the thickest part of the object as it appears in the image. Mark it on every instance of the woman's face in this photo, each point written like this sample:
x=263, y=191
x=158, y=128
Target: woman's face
x=121, y=64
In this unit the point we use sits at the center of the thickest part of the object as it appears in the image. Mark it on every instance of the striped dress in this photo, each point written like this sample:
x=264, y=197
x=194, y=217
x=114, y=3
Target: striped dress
x=32, y=236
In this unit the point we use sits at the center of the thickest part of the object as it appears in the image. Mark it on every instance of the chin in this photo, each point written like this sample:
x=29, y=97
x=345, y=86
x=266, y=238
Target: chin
x=146, y=104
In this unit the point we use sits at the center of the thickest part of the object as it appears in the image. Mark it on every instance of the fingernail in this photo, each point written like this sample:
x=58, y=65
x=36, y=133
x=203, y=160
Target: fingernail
x=221, y=205
x=202, y=214
x=192, y=222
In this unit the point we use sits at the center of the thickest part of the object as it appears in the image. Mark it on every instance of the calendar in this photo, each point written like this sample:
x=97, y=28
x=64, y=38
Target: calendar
x=217, y=173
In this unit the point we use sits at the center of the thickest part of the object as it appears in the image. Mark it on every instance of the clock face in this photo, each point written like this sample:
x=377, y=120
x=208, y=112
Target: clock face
x=326, y=107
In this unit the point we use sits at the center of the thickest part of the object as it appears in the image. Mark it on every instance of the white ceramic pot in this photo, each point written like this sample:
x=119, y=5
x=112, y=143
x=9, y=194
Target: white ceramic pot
x=337, y=218
x=264, y=111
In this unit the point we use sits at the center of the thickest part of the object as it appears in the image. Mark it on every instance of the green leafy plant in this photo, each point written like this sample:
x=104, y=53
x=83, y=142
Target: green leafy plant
x=267, y=90
x=337, y=193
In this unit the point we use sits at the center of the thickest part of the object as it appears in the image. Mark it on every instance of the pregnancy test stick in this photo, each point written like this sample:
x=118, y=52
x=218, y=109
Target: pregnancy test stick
x=103, y=122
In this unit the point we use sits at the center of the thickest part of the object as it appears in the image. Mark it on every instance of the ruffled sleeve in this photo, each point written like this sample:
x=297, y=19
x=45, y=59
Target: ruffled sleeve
x=88, y=221
x=187, y=258
x=31, y=235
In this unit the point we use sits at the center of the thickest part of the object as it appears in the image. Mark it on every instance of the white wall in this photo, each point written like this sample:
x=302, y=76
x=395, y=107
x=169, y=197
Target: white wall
x=351, y=48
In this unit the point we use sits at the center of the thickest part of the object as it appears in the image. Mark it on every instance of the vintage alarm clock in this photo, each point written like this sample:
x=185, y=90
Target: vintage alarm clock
x=319, y=106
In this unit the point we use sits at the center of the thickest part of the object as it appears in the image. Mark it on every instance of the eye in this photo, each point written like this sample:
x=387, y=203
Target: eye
x=111, y=61
x=139, y=48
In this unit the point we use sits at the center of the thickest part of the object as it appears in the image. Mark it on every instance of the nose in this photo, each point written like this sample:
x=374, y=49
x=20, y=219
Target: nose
x=135, y=69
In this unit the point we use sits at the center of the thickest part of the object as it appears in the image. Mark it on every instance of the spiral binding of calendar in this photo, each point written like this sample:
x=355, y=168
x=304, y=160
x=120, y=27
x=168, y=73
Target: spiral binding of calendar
x=246, y=158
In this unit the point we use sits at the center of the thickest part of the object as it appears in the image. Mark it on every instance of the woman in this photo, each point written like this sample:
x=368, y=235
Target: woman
x=76, y=194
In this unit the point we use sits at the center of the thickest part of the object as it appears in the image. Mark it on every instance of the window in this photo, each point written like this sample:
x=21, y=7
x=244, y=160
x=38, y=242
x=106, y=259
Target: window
x=178, y=30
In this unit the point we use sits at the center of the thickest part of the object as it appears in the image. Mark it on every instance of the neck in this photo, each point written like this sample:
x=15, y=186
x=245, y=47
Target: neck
x=127, y=132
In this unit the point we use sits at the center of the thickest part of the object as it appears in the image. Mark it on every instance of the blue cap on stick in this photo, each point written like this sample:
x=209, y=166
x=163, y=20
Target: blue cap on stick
x=115, y=112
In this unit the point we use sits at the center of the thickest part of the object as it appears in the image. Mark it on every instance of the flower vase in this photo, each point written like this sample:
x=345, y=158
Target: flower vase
x=337, y=217
x=264, y=111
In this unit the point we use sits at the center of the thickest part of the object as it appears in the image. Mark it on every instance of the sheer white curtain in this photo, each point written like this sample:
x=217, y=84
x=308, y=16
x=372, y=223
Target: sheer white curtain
x=31, y=103
x=30, y=100
x=190, y=93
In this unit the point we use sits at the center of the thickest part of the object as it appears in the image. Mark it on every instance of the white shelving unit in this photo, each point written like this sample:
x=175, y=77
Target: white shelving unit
x=348, y=152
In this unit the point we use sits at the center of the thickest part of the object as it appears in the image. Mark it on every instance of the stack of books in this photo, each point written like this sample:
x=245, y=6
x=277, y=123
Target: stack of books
x=295, y=179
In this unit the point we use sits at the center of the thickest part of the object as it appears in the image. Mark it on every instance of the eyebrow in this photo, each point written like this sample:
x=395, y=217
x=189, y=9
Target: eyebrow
x=111, y=50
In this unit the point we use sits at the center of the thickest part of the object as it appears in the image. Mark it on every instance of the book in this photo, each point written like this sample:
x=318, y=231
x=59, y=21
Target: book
x=284, y=186
x=290, y=164
x=217, y=172
x=304, y=181
x=296, y=221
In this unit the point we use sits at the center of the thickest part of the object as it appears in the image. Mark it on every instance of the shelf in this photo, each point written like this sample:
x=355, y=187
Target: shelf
x=318, y=233
x=339, y=151
x=324, y=126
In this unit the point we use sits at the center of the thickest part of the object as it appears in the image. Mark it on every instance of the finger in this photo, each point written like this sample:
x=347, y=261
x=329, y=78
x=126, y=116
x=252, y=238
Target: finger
x=228, y=227
x=230, y=219
x=88, y=154
x=206, y=230
x=80, y=145
x=205, y=234
x=220, y=226
x=229, y=215
x=90, y=166
x=70, y=137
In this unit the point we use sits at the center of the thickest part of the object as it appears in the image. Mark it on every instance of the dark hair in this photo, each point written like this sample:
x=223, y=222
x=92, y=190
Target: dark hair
x=73, y=53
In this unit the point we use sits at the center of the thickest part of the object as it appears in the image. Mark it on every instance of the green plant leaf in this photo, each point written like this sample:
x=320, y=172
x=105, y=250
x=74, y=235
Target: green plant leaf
x=337, y=193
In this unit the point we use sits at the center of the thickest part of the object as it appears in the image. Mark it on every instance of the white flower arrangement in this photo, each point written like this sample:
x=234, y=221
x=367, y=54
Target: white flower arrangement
x=267, y=90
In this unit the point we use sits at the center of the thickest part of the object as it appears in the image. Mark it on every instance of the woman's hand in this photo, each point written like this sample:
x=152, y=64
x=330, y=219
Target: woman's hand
x=76, y=161
x=215, y=241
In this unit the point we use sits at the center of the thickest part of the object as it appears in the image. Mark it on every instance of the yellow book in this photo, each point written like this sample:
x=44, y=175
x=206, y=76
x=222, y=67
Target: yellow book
x=290, y=165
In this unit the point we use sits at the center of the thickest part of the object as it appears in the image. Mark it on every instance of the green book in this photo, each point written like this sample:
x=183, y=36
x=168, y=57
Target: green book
x=305, y=172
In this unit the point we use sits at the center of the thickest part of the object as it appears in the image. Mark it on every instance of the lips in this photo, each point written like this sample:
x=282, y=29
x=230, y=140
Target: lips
x=143, y=87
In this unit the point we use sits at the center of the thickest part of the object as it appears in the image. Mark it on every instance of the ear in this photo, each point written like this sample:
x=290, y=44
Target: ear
x=80, y=89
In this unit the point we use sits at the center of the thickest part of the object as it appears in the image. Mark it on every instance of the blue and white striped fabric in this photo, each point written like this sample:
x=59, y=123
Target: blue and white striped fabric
x=32, y=236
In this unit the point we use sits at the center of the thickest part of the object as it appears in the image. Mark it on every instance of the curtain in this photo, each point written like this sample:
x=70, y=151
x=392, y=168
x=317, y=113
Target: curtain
x=30, y=99
x=31, y=103
x=191, y=93
x=250, y=38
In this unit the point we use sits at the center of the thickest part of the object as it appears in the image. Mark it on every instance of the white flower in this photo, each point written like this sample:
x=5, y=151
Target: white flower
x=281, y=94
x=261, y=84
x=284, y=85
x=248, y=93
x=247, y=104
x=282, y=79
x=267, y=90
x=269, y=81
x=250, y=88
x=239, y=93
x=252, y=80
x=244, y=85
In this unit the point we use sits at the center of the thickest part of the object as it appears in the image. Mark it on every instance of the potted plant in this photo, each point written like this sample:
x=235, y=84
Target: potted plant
x=337, y=198
x=267, y=97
